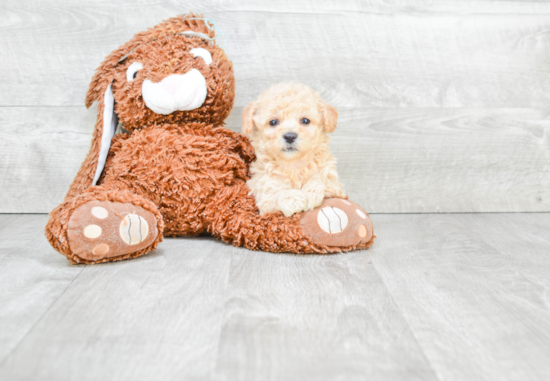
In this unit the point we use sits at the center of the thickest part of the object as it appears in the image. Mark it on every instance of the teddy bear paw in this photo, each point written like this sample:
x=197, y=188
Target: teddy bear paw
x=105, y=229
x=337, y=223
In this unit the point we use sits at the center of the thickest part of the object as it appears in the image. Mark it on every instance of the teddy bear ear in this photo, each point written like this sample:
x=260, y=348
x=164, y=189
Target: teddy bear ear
x=106, y=72
x=101, y=90
x=108, y=123
x=330, y=116
x=98, y=86
x=94, y=163
x=248, y=117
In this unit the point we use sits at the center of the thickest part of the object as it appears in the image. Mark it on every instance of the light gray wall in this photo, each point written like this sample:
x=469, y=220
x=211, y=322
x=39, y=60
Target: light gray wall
x=444, y=105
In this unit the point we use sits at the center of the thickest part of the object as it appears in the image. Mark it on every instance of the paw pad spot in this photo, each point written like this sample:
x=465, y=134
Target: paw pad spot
x=100, y=212
x=332, y=220
x=92, y=231
x=362, y=231
x=361, y=214
x=101, y=249
x=133, y=229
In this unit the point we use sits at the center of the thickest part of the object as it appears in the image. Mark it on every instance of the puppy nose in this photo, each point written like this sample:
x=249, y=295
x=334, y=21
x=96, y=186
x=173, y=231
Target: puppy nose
x=290, y=137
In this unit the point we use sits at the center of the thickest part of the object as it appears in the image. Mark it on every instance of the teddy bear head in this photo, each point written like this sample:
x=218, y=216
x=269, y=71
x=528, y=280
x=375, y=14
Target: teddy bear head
x=171, y=73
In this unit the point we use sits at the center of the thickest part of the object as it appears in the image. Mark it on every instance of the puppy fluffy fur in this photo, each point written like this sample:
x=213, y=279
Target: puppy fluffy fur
x=291, y=175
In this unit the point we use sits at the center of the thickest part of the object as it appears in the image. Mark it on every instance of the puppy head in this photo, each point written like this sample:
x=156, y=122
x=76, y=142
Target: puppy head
x=289, y=121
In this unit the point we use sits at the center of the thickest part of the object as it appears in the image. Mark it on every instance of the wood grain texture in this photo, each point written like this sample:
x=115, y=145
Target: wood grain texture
x=444, y=105
x=357, y=54
x=293, y=317
x=31, y=278
x=529, y=254
x=445, y=160
x=466, y=286
x=439, y=297
x=390, y=160
x=42, y=149
x=226, y=313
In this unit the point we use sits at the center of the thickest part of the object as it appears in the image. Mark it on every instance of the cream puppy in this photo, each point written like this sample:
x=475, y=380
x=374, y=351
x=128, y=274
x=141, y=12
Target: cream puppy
x=294, y=171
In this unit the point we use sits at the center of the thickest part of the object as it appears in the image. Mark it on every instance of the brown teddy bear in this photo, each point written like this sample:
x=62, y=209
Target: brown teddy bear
x=175, y=169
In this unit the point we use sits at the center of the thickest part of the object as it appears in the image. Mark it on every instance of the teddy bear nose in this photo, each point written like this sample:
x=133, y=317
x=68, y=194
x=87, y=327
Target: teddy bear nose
x=172, y=83
x=290, y=137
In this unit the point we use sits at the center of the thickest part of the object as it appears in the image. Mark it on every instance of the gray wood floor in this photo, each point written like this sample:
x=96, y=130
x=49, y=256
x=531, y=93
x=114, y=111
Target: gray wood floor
x=439, y=297
x=444, y=107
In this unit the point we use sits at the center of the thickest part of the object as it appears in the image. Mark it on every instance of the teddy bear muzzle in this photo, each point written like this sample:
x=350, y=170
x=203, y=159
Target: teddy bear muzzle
x=177, y=92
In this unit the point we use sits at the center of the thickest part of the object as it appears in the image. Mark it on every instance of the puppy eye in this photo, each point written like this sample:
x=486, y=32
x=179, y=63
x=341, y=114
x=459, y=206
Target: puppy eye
x=131, y=72
x=305, y=121
x=273, y=122
x=202, y=53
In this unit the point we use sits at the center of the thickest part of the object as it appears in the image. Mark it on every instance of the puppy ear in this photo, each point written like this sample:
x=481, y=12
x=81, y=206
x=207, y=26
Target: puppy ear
x=330, y=116
x=248, y=117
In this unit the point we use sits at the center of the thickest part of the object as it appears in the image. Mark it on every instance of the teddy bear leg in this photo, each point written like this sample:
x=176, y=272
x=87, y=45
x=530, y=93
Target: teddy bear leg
x=335, y=226
x=338, y=223
x=104, y=226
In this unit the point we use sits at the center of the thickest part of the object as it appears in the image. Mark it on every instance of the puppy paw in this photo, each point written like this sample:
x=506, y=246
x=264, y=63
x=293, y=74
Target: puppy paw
x=292, y=201
x=314, y=200
x=315, y=190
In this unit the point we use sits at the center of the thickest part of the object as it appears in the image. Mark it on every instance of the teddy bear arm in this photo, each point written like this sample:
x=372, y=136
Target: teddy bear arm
x=233, y=217
x=245, y=149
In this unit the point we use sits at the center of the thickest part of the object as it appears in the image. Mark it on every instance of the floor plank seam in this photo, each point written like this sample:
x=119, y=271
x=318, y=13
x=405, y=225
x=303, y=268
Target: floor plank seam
x=3, y=362
x=408, y=323
x=513, y=260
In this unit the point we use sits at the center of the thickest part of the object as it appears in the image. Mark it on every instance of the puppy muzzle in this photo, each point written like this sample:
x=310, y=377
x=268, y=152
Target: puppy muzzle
x=290, y=142
x=290, y=137
x=177, y=92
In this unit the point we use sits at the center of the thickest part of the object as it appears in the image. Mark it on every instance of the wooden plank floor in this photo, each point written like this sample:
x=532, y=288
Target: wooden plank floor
x=439, y=297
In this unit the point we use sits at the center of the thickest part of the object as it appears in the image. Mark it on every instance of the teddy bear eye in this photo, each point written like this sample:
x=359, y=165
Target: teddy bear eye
x=273, y=122
x=202, y=53
x=131, y=72
x=305, y=121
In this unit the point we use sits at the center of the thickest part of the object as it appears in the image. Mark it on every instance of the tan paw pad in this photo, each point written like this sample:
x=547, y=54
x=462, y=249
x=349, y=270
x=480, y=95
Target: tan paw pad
x=133, y=229
x=100, y=212
x=101, y=249
x=360, y=213
x=332, y=220
x=92, y=231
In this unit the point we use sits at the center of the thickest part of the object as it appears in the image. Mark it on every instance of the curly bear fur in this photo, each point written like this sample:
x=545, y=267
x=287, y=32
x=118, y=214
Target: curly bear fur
x=185, y=169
